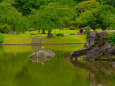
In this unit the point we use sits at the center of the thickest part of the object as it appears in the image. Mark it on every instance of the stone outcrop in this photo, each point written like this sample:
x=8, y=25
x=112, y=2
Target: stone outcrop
x=97, y=46
x=42, y=55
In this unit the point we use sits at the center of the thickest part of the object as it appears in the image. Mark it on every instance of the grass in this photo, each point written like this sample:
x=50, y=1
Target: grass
x=19, y=39
x=57, y=31
x=65, y=39
x=27, y=38
x=24, y=38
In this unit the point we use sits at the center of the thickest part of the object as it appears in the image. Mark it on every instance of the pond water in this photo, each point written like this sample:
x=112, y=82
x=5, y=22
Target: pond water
x=16, y=68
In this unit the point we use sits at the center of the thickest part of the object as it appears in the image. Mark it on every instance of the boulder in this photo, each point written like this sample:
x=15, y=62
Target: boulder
x=93, y=34
x=113, y=65
x=100, y=42
x=90, y=42
x=113, y=50
x=77, y=53
x=96, y=47
x=107, y=45
x=93, y=53
x=43, y=53
x=103, y=34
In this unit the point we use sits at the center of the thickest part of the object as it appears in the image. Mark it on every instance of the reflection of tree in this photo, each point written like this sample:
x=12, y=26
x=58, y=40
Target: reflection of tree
x=10, y=65
x=98, y=72
x=1, y=50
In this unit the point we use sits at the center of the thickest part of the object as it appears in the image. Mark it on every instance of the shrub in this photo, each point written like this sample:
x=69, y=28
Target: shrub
x=72, y=28
x=5, y=28
x=72, y=34
x=1, y=38
x=112, y=38
x=60, y=34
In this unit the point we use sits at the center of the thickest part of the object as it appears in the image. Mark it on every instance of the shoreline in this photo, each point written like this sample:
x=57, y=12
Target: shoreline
x=35, y=44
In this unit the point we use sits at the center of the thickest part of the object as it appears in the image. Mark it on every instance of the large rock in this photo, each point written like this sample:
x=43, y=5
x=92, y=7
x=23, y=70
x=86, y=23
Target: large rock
x=96, y=47
x=93, y=34
x=80, y=52
x=103, y=34
x=90, y=42
x=43, y=53
x=107, y=45
x=112, y=50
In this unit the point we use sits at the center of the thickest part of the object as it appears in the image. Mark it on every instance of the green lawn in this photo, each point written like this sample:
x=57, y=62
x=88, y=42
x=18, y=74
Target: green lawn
x=27, y=38
x=65, y=39
x=19, y=39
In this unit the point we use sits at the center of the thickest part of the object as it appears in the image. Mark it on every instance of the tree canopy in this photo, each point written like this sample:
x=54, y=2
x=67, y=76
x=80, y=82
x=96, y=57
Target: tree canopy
x=10, y=16
x=51, y=16
x=19, y=15
x=26, y=6
x=86, y=5
x=107, y=2
x=102, y=16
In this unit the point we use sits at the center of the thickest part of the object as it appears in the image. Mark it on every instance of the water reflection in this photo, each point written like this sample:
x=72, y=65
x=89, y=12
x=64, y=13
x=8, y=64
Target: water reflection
x=98, y=72
x=1, y=50
x=16, y=68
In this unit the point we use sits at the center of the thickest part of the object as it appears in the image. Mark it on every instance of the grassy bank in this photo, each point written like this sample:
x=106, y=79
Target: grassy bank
x=65, y=39
x=27, y=38
x=19, y=39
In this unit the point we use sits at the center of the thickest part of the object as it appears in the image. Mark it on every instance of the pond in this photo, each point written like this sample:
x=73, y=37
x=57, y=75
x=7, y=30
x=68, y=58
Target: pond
x=17, y=69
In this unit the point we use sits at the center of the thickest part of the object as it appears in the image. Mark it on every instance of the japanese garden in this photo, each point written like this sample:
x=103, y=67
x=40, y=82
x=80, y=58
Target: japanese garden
x=57, y=42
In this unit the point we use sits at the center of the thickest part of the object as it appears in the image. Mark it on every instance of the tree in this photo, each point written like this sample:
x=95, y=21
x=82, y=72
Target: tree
x=10, y=16
x=86, y=18
x=26, y=6
x=85, y=5
x=107, y=2
x=103, y=16
x=51, y=16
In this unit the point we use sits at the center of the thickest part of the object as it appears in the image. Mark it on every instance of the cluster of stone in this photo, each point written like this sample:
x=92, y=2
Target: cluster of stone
x=42, y=55
x=97, y=46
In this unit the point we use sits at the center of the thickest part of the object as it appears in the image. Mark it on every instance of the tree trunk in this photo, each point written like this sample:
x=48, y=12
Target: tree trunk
x=49, y=34
x=43, y=31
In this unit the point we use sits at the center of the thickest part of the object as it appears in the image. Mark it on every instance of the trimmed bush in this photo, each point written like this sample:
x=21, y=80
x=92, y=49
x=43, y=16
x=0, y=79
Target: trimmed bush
x=60, y=34
x=1, y=38
x=5, y=28
x=72, y=28
x=112, y=38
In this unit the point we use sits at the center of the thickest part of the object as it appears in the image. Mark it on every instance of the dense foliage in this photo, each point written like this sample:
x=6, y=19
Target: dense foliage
x=112, y=38
x=72, y=28
x=19, y=15
x=27, y=6
x=11, y=19
x=51, y=16
x=102, y=16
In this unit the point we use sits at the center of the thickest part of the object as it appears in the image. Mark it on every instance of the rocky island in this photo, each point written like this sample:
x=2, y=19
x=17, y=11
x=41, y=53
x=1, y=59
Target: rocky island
x=97, y=47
